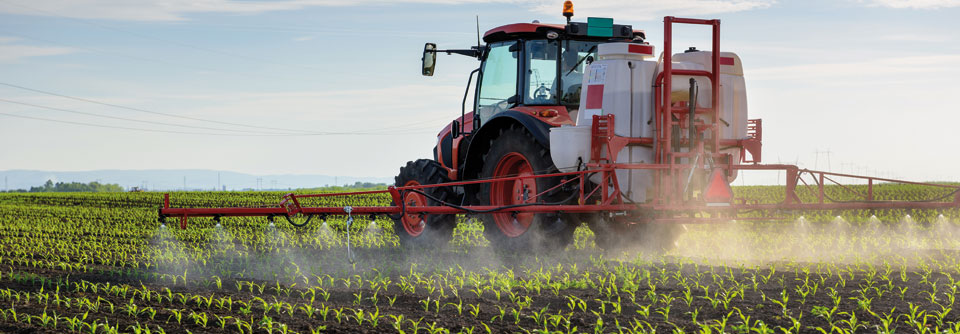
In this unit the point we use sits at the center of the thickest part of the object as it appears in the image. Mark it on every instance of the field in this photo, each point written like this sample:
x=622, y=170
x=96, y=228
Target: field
x=101, y=263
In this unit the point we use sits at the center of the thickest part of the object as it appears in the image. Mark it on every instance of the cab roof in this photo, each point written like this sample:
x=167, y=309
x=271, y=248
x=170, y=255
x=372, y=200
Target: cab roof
x=536, y=30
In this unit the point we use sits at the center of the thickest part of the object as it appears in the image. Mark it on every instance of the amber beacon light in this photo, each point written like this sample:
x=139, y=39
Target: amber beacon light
x=568, y=10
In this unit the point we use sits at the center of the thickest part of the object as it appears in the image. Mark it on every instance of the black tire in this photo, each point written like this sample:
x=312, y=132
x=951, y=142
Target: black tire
x=546, y=232
x=615, y=238
x=438, y=229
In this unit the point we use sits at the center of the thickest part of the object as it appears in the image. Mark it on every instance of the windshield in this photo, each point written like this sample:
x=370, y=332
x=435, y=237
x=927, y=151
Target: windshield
x=544, y=85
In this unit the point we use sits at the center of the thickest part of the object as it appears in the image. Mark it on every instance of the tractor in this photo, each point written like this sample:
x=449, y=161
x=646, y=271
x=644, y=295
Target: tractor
x=530, y=81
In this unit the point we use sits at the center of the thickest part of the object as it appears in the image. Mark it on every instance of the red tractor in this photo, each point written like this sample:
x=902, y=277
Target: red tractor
x=530, y=80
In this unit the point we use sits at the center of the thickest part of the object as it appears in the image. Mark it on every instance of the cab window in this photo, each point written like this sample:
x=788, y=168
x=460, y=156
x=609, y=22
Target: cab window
x=498, y=87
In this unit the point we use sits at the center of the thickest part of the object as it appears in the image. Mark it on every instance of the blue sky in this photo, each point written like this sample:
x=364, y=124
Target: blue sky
x=871, y=81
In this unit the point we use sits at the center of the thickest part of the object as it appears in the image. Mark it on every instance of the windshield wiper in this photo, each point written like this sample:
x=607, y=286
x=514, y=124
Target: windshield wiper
x=581, y=60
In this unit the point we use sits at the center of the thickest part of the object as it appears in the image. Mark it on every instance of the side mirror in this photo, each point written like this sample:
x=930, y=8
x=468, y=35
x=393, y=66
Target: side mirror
x=429, y=59
x=455, y=129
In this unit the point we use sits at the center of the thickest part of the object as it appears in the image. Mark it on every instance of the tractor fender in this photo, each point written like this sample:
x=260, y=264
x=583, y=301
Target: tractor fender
x=480, y=142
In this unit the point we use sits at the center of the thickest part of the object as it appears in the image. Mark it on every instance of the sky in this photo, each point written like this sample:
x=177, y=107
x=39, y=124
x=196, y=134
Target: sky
x=334, y=87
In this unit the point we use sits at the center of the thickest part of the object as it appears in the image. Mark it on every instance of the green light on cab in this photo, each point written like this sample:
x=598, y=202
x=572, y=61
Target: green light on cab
x=600, y=26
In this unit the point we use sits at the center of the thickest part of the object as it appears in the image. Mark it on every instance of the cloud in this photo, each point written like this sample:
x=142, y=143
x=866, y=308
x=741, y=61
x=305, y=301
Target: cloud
x=14, y=52
x=914, y=4
x=177, y=10
x=654, y=9
x=915, y=37
x=922, y=66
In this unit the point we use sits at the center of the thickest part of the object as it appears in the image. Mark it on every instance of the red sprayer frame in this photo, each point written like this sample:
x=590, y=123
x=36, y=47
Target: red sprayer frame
x=673, y=198
x=609, y=201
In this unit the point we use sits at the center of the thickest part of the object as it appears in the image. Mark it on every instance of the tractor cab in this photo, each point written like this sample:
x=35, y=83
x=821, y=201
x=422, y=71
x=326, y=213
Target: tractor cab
x=535, y=65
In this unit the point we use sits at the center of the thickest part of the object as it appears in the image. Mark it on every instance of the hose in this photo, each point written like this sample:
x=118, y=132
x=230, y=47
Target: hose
x=309, y=217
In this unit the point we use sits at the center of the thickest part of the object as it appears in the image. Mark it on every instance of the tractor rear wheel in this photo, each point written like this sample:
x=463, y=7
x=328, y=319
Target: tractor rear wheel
x=414, y=229
x=516, y=153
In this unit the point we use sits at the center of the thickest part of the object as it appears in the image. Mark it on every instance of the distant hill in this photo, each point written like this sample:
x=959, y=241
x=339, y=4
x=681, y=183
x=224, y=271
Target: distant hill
x=196, y=179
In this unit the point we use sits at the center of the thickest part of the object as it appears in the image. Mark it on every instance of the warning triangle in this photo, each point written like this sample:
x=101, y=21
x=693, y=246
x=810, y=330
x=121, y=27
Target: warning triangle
x=718, y=190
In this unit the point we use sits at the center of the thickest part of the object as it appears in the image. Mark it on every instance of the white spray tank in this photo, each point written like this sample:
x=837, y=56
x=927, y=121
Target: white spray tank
x=733, y=94
x=618, y=82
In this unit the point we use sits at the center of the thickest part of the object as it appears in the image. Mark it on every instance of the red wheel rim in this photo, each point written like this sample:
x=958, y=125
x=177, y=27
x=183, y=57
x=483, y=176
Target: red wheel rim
x=412, y=222
x=510, y=192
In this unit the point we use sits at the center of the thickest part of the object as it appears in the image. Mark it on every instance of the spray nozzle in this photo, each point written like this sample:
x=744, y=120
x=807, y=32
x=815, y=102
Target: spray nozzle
x=350, y=256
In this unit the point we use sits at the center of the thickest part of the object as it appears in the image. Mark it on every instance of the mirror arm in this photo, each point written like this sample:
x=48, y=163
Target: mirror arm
x=473, y=52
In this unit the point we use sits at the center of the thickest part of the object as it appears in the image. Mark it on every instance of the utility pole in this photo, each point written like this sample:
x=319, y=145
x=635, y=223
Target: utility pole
x=184, y=183
x=218, y=180
x=817, y=159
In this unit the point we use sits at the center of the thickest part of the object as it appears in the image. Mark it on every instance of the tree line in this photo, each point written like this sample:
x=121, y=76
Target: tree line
x=50, y=186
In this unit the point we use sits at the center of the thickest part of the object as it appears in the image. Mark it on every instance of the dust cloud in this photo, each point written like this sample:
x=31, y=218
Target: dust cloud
x=835, y=241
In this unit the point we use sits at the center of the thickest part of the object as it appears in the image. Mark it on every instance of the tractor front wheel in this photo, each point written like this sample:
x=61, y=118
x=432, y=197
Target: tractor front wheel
x=414, y=229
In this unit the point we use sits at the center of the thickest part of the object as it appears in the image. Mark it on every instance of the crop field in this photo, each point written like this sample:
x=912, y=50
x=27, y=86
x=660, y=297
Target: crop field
x=101, y=263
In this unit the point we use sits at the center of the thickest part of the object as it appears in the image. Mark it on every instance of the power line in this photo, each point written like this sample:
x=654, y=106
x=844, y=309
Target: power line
x=130, y=119
x=111, y=126
x=179, y=132
x=144, y=110
x=291, y=132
